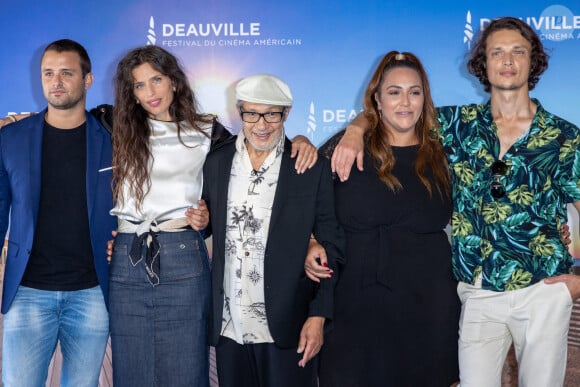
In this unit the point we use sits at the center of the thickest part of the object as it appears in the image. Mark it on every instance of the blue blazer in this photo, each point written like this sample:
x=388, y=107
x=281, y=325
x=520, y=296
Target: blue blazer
x=20, y=184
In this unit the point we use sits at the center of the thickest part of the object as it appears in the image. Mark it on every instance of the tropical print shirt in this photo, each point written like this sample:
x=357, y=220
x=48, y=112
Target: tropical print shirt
x=513, y=241
x=250, y=198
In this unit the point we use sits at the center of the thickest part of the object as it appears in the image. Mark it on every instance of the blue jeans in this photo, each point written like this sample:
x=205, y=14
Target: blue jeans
x=159, y=333
x=37, y=319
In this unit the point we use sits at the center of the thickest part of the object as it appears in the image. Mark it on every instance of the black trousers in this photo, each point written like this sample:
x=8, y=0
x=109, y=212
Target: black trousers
x=262, y=365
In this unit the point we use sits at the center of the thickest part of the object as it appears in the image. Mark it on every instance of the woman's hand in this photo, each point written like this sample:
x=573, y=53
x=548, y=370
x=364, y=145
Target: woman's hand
x=110, y=245
x=316, y=263
x=198, y=218
x=12, y=118
x=307, y=153
x=565, y=234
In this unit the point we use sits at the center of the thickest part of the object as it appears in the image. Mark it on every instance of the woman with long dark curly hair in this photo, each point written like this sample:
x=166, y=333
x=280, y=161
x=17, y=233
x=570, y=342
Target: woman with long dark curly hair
x=159, y=274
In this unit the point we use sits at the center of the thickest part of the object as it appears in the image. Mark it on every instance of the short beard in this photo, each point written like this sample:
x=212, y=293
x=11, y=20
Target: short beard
x=269, y=147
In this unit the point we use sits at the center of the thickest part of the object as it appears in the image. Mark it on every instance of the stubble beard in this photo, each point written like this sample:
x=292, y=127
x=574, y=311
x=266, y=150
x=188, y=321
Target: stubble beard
x=66, y=102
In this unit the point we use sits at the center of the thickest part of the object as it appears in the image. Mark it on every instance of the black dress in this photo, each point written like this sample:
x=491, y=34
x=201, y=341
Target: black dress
x=396, y=307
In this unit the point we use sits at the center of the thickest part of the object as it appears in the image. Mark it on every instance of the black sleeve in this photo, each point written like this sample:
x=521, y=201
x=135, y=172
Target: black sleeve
x=219, y=134
x=104, y=113
x=205, y=196
x=327, y=148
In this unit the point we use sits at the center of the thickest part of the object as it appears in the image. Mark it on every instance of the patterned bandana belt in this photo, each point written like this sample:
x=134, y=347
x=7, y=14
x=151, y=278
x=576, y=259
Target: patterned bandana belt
x=152, y=266
x=146, y=234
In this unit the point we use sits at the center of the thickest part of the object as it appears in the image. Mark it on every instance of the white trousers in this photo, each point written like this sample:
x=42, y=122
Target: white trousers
x=536, y=319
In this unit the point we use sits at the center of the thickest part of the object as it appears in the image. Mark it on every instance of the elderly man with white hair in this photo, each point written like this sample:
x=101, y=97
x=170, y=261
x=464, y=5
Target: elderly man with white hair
x=267, y=320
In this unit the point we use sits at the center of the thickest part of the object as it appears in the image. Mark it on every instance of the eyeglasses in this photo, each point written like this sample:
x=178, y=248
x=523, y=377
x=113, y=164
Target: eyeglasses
x=498, y=169
x=269, y=117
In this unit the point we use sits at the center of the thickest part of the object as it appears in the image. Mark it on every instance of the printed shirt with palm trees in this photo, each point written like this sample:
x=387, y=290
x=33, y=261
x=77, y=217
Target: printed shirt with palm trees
x=250, y=199
x=513, y=241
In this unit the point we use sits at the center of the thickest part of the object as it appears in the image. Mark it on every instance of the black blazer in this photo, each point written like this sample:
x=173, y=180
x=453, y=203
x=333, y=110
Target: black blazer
x=303, y=204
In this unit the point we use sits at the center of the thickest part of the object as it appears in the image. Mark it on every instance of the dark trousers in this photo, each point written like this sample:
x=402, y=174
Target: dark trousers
x=262, y=365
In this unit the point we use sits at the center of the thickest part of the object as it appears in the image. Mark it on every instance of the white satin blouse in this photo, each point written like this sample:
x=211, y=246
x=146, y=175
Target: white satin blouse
x=175, y=171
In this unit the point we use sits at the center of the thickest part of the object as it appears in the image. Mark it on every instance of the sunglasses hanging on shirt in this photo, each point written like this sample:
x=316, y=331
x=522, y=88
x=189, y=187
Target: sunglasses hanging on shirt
x=498, y=169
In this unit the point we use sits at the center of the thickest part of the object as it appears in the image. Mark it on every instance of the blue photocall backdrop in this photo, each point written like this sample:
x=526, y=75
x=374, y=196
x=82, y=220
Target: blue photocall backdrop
x=325, y=50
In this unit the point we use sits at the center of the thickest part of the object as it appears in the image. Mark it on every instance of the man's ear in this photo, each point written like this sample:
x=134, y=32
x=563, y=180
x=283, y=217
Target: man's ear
x=88, y=80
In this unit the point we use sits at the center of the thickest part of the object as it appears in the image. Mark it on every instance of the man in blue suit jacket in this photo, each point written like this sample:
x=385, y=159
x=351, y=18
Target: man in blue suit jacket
x=55, y=184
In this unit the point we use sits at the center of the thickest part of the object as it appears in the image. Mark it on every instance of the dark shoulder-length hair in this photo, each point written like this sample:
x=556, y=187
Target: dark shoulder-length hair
x=538, y=57
x=431, y=156
x=131, y=130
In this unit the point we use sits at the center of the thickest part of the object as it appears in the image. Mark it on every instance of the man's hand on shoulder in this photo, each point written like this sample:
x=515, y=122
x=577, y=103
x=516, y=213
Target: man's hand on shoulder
x=13, y=118
x=307, y=153
x=349, y=149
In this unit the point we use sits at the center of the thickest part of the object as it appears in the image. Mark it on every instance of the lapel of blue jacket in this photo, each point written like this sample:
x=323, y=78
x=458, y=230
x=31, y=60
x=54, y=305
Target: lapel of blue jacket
x=95, y=137
x=35, y=160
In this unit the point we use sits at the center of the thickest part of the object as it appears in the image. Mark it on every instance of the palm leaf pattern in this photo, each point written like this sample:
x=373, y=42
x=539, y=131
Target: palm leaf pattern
x=513, y=241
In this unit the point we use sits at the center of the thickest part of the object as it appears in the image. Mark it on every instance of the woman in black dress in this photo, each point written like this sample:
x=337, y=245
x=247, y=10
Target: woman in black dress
x=396, y=307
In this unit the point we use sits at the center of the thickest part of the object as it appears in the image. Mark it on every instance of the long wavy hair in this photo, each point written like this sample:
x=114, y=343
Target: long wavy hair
x=131, y=130
x=431, y=156
x=478, y=58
